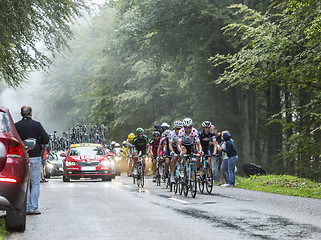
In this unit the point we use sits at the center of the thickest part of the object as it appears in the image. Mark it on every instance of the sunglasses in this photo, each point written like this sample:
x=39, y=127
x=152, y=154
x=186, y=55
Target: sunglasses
x=207, y=127
x=177, y=128
x=188, y=127
x=139, y=134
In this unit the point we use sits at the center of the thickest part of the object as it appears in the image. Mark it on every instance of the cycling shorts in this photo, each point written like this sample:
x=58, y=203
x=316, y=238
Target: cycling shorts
x=189, y=148
x=143, y=150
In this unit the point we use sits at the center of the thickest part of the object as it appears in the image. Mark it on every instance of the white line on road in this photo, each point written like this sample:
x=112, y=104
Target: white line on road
x=178, y=200
x=127, y=186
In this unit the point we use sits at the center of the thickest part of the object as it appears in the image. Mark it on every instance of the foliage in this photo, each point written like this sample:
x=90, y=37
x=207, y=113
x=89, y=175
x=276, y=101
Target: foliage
x=3, y=231
x=24, y=25
x=281, y=50
x=281, y=184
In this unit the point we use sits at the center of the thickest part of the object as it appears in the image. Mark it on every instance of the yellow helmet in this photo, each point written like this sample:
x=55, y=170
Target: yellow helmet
x=131, y=136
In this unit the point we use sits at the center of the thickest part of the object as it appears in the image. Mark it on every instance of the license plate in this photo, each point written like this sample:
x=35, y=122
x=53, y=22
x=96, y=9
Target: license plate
x=88, y=168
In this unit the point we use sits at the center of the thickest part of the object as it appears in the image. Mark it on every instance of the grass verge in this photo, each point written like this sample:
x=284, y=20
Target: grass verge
x=281, y=184
x=2, y=228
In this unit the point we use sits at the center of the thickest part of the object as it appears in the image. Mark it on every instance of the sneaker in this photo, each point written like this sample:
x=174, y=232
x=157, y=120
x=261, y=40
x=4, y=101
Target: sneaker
x=135, y=171
x=226, y=185
x=36, y=212
x=181, y=173
x=154, y=179
x=43, y=180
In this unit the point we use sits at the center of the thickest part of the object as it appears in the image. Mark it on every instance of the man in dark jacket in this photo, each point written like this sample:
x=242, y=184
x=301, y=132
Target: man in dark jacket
x=29, y=128
x=228, y=165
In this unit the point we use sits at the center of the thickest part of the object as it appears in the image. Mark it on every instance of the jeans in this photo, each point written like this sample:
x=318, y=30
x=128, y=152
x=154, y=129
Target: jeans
x=33, y=190
x=215, y=168
x=228, y=169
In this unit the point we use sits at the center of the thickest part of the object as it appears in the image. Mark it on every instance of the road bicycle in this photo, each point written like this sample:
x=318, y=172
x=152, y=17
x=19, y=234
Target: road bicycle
x=189, y=179
x=140, y=176
x=178, y=176
x=206, y=176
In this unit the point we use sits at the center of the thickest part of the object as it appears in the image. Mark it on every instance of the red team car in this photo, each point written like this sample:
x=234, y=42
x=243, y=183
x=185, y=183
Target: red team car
x=14, y=172
x=86, y=160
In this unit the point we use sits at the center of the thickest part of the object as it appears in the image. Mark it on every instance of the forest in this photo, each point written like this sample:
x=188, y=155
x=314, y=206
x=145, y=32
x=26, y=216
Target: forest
x=249, y=66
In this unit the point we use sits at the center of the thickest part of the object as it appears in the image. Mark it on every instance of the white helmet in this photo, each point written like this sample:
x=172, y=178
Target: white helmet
x=165, y=125
x=206, y=124
x=187, y=122
x=113, y=143
x=117, y=145
x=178, y=124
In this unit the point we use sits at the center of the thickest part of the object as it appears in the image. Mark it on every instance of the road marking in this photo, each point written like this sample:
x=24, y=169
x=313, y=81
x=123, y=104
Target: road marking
x=178, y=200
x=127, y=186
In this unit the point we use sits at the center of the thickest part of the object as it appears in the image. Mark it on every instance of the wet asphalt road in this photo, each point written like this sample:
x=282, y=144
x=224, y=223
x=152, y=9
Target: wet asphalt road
x=91, y=209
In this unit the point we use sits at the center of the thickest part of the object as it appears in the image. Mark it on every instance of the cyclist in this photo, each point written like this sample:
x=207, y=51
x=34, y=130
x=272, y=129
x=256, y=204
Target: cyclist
x=124, y=155
x=207, y=138
x=187, y=136
x=154, y=143
x=163, y=150
x=130, y=152
x=140, y=144
x=172, y=144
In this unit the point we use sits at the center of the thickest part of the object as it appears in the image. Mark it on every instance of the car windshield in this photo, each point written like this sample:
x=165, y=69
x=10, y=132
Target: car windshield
x=4, y=122
x=86, y=151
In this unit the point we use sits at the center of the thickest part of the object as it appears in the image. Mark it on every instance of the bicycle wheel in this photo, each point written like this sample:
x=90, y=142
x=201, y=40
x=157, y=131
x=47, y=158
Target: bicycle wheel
x=209, y=181
x=142, y=181
x=193, y=181
x=158, y=177
x=138, y=179
x=180, y=186
x=201, y=181
x=134, y=179
x=185, y=181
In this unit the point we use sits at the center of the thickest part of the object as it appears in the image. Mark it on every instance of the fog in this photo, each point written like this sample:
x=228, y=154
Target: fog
x=30, y=92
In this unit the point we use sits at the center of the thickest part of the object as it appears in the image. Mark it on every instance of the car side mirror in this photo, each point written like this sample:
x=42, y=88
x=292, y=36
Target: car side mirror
x=63, y=154
x=3, y=151
x=30, y=143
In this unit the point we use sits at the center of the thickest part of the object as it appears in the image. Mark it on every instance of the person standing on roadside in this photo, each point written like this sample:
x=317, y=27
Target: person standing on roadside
x=228, y=164
x=29, y=128
x=219, y=159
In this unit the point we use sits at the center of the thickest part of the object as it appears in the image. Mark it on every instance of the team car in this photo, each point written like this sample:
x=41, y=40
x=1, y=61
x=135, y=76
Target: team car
x=86, y=160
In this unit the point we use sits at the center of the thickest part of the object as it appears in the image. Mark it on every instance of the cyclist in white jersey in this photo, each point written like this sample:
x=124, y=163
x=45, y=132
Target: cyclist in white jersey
x=187, y=137
x=173, y=138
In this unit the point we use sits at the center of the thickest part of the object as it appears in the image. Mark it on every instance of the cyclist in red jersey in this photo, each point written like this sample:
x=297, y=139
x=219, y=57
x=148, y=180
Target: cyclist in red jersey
x=153, y=151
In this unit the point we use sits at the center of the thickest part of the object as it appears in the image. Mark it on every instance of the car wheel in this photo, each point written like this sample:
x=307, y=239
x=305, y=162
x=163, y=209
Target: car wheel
x=16, y=218
x=46, y=174
x=65, y=179
x=107, y=178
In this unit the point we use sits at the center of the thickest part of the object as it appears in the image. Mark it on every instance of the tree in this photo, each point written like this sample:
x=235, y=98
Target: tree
x=24, y=25
x=285, y=64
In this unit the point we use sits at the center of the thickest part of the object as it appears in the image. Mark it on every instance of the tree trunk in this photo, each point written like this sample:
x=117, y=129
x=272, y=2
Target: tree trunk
x=245, y=125
x=274, y=130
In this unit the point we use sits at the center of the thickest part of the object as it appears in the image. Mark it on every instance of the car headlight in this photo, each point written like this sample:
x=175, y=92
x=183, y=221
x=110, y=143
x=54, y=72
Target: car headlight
x=69, y=163
x=105, y=163
x=117, y=158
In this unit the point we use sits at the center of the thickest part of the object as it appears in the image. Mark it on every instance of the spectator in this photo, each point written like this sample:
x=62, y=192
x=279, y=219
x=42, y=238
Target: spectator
x=228, y=164
x=217, y=168
x=29, y=128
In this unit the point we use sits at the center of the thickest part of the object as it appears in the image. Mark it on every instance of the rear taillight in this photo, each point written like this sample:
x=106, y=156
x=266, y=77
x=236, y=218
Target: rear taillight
x=14, y=148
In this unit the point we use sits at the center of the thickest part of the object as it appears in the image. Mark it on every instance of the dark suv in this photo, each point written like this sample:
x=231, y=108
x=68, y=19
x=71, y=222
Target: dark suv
x=14, y=172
